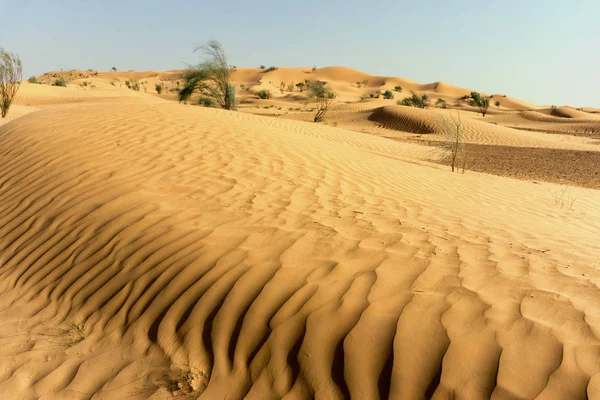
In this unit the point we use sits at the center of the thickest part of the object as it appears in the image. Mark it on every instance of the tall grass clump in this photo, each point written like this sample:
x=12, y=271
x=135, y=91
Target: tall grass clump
x=211, y=79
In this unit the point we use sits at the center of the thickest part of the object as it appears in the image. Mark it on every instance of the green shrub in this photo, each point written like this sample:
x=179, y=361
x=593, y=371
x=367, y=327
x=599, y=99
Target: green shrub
x=262, y=67
x=263, y=94
x=128, y=83
x=364, y=97
x=271, y=68
x=60, y=81
x=135, y=85
x=441, y=103
x=398, y=88
x=159, y=88
x=33, y=79
x=388, y=94
x=415, y=101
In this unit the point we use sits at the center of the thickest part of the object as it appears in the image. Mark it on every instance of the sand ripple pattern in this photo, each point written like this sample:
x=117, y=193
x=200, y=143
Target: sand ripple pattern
x=159, y=251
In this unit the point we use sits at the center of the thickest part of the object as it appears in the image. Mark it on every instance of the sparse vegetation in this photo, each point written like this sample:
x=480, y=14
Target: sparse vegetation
x=364, y=97
x=211, y=78
x=263, y=94
x=415, y=101
x=271, y=68
x=398, y=88
x=60, y=81
x=11, y=73
x=314, y=69
x=33, y=79
x=388, y=95
x=281, y=87
x=562, y=198
x=262, y=67
x=441, y=103
x=159, y=88
x=452, y=144
x=325, y=98
x=290, y=87
x=135, y=85
x=479, y=101
x=300, y=86
x=128, y=83
x=497, y=104
x=114, y=69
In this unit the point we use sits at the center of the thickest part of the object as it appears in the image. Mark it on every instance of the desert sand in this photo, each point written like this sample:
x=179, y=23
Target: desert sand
x=151, y=249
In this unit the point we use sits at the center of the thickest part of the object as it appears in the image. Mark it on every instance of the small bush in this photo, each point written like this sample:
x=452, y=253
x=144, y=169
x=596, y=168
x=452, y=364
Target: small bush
x=159, y=88
x=84, y=84
x=33, y=79
x=388, y=95
x=364, y=97
x=271, y=68
x=415, y=101
x=60, y=81
x=441, y=103
x=263, y=94
x=398, y=88
x=135, y=85
x=128, y=83
x=262, y=67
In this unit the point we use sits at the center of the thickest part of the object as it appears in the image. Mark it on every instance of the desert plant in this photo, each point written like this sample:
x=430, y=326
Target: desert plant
x=211, y=78
x=128, y=83
x=60, y=81
x=33, y=79
x=441, y=103
x=477, y=100
x=262, y=67
x=300, y=86
x=84, y=84
x=452, y=145
x=366, y=82
x=497, y=104
x=290, y=87
x=364, y=97
x=314, y=69
x=281, y=87
x=398, y=88
x=242, y=86
x=562, y=197
x=271, y=68
x=415, y=101
x=263, y=94
x=135, y=85
x=114, y=69
x=325, y=98
x=388, y=95
x=159, y=88
x=11, y=73
x=358, y=84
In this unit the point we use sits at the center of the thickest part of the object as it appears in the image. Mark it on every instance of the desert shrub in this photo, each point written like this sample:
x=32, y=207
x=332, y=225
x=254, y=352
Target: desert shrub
x=477, y=100
x=300, y=86
x=465, y=97
x=128, y=83
x=263, y=94
x=290, y=87
x=60, y=81
x=325, y=98
x=113, y=83
x=358, y=84
x=364, y=97
x=211, y=78
x=271, y=68
x=281, y=87
x=205, y=101
x=388, y=95
x=415, y=101
x=11, y=73
x=262, y=67
x=135, y=85
x=398, y=88
x=114, y=69
x=242, y=86
x=314, y=69
x=33, y=79
x=159, y=88
x=441, y=103
x=452, y=144
x=497, y=104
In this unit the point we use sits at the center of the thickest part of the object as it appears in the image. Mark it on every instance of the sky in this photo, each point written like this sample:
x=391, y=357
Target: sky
x=544, y=52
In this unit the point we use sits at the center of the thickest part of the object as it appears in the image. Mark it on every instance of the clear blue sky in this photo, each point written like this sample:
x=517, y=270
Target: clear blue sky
x=543, y=51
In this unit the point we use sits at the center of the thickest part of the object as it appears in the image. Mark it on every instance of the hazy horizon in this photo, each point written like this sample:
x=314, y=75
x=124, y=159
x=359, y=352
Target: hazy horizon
x=540, y=52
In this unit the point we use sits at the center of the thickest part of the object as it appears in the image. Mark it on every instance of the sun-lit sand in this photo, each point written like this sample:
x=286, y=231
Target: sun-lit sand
x=151, y=249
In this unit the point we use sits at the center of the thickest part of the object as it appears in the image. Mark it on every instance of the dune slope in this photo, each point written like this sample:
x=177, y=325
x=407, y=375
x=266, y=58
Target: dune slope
x=157, y=250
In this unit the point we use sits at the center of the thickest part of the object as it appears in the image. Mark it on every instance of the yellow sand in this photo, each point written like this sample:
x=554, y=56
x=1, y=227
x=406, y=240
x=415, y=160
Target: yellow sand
x=150, y=249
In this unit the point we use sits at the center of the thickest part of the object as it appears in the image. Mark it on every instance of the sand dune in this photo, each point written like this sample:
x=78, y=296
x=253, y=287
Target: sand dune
x=173, y=250
x=150, y=249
